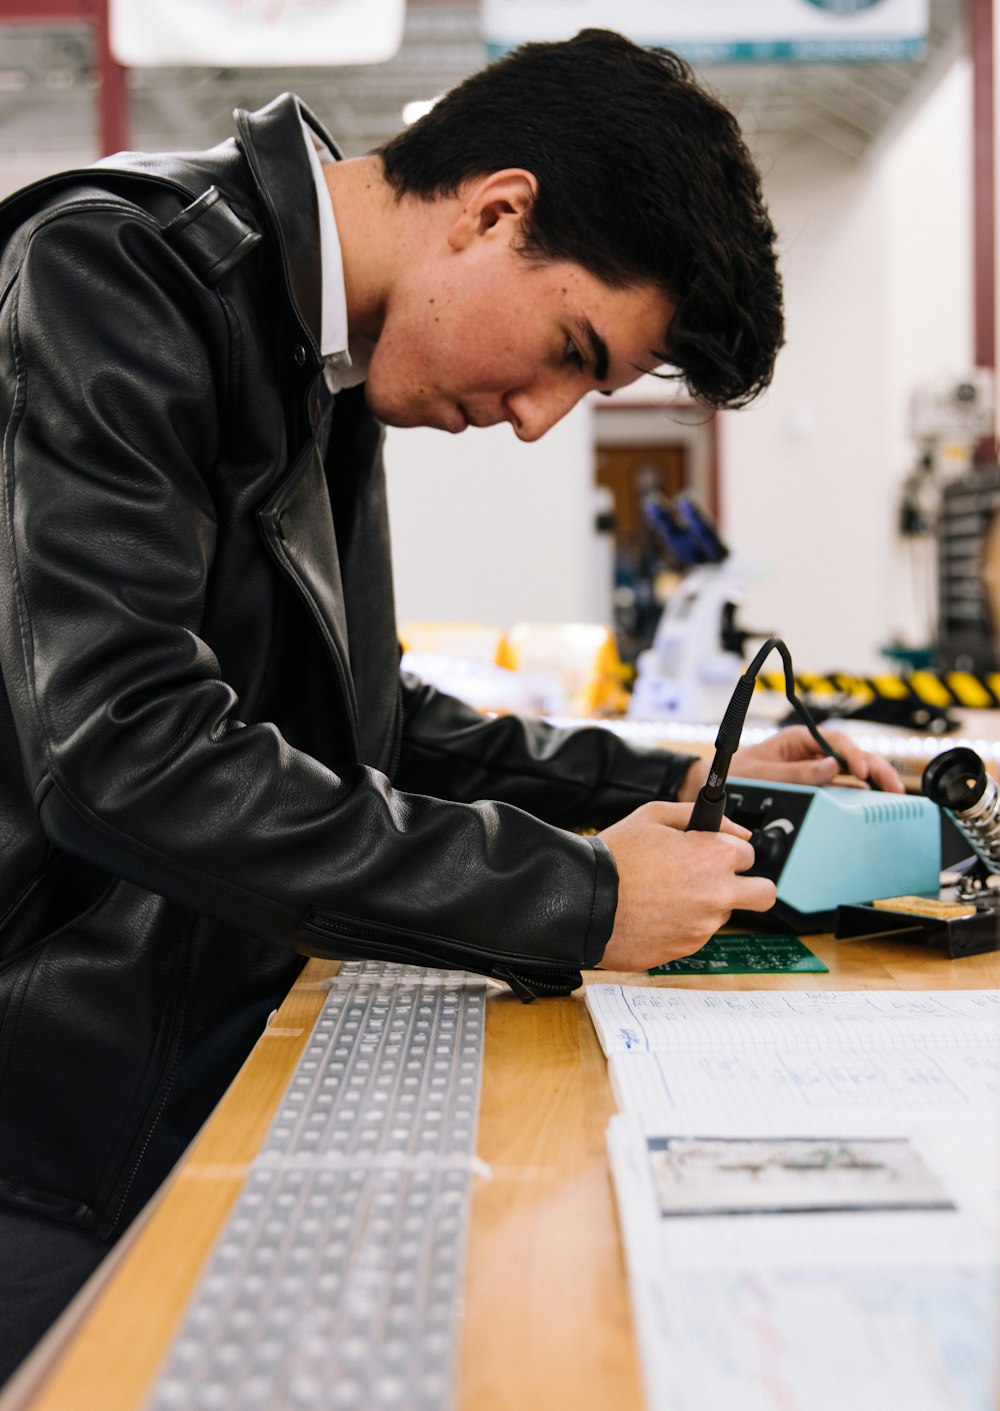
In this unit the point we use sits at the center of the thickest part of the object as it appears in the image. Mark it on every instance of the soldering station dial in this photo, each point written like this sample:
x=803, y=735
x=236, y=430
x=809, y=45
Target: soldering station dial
x=771, y=845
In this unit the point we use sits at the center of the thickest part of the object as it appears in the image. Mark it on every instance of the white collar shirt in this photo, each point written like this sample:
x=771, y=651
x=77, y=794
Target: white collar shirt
x=345, y=360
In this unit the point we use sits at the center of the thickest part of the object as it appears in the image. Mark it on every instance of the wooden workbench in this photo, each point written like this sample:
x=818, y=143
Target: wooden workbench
x=546, y=1319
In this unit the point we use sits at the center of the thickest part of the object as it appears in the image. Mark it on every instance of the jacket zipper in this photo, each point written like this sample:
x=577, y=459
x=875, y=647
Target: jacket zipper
x=164, y=1095
x=397, y=733
x=166, y=1089
x=530, y=987
x=288, y=572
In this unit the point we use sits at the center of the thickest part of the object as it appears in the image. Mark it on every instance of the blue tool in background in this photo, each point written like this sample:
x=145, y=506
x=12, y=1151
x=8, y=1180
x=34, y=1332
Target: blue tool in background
x=696, y=655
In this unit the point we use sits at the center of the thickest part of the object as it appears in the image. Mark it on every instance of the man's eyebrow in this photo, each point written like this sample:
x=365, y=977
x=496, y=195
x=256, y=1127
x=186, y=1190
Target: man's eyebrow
x=598, y=350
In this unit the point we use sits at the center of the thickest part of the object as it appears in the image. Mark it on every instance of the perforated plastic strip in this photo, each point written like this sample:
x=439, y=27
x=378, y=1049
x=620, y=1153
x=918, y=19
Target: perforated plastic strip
x=337, y=1278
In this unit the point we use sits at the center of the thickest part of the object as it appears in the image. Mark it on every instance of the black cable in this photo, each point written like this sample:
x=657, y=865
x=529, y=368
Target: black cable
x=710, y=805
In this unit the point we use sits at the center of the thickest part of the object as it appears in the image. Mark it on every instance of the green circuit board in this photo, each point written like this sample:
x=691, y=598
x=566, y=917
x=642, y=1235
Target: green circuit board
x=745, y=954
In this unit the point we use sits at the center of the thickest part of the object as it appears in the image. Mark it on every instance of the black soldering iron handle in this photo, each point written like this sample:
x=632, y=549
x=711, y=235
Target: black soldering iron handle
x=710, y=805
x=707, y=814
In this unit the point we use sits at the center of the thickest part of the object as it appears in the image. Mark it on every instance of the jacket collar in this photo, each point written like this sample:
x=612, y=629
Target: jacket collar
x=272, y=141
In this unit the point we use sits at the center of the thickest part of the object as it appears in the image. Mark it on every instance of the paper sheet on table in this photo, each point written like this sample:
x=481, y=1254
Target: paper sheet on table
x=637, y=1017
x=808, y=1185
x=749, y=1322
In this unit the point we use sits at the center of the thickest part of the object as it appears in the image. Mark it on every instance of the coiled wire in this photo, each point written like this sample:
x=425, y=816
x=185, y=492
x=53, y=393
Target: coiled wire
x=957, y=780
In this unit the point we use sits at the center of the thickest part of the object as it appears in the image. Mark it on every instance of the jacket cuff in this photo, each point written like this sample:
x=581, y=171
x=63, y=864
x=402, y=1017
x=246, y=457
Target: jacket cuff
x=605, y=903
x=674, y=775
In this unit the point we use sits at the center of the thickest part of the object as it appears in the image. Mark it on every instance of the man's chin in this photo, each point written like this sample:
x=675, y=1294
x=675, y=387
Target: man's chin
x=387, y=414
x=393, y=414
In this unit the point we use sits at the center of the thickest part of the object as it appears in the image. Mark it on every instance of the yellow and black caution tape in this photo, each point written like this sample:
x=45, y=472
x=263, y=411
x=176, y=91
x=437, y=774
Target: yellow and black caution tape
x=939, y=689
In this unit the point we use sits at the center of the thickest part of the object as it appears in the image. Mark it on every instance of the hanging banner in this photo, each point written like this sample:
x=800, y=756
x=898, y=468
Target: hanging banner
x=254, y=33
x=726, y=31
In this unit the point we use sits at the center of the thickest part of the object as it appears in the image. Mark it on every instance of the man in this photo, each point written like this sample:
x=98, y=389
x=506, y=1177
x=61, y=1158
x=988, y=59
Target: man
x=210, y=767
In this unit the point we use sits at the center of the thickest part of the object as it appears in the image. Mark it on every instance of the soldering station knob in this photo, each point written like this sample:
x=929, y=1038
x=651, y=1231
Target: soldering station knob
x=771, y=845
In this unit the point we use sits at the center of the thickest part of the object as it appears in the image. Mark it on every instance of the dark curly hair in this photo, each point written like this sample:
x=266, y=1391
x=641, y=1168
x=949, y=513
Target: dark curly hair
x=643, y=177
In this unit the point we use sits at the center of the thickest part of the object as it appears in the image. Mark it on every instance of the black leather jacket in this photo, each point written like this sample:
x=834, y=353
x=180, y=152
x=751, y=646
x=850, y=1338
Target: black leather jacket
x=209, y=766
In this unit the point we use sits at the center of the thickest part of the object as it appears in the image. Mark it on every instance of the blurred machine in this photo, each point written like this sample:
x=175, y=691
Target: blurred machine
x=949, y=417
x=968, y=575
x=947, y=516
x=690, y=669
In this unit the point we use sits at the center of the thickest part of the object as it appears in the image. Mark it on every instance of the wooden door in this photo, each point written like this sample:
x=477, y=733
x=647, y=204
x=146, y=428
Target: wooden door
x=630, y=473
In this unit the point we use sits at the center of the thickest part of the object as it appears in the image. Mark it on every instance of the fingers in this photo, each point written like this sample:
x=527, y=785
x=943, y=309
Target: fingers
x=668, y=815
x=820, y=770
x=856, y=759
x=742, y=854
x=871, y=767
x=675, y=888
x=792, y=756
x=883, y=776
x=755, y=894
x=678, y=815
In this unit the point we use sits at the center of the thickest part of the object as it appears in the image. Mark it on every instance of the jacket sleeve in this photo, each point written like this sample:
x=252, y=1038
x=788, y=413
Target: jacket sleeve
x=133, y=743
x=582, y=777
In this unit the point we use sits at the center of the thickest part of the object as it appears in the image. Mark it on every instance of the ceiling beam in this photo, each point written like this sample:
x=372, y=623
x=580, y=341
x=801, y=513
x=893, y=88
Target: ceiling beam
x=983, y=183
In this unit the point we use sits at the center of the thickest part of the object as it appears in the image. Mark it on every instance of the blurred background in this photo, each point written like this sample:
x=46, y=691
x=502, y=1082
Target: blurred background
x=840, y=490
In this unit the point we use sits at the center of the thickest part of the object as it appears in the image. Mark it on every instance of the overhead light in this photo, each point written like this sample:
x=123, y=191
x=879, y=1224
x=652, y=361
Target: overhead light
x=412, y=112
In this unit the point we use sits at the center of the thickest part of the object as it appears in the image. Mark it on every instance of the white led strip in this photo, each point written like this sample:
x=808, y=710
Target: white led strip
x=336, y=1281
x=910, y=750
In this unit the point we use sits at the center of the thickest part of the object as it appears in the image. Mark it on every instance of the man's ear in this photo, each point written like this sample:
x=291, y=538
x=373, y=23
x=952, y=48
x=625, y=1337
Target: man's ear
x=492, y=206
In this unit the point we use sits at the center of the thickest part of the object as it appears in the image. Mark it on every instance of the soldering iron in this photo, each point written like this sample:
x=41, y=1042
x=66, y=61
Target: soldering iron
x=709, y=806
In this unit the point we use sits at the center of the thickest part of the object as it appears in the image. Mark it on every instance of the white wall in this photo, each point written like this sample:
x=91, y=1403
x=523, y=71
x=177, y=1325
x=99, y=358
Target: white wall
x=800, y=469
x=488, y=529
x=929, y=250
x=877, y=265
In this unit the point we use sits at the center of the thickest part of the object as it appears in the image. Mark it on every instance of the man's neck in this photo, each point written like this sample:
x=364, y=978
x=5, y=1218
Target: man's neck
x=367, y=215
x=382, y=237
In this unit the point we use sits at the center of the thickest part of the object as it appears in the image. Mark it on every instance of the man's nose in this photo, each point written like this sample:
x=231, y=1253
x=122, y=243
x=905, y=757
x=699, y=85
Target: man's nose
x=532, y=413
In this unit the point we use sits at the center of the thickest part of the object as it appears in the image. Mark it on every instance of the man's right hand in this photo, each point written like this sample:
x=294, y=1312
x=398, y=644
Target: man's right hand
x=676, y=889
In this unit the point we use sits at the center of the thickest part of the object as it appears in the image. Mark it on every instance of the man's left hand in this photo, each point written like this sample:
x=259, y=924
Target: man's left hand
x=792, y=756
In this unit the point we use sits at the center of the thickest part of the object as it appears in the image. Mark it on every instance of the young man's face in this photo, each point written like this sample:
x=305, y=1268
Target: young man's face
x=480, y=334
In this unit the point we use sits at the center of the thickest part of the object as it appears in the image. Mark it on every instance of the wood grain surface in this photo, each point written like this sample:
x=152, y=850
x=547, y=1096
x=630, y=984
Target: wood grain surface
x=546, y=1319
